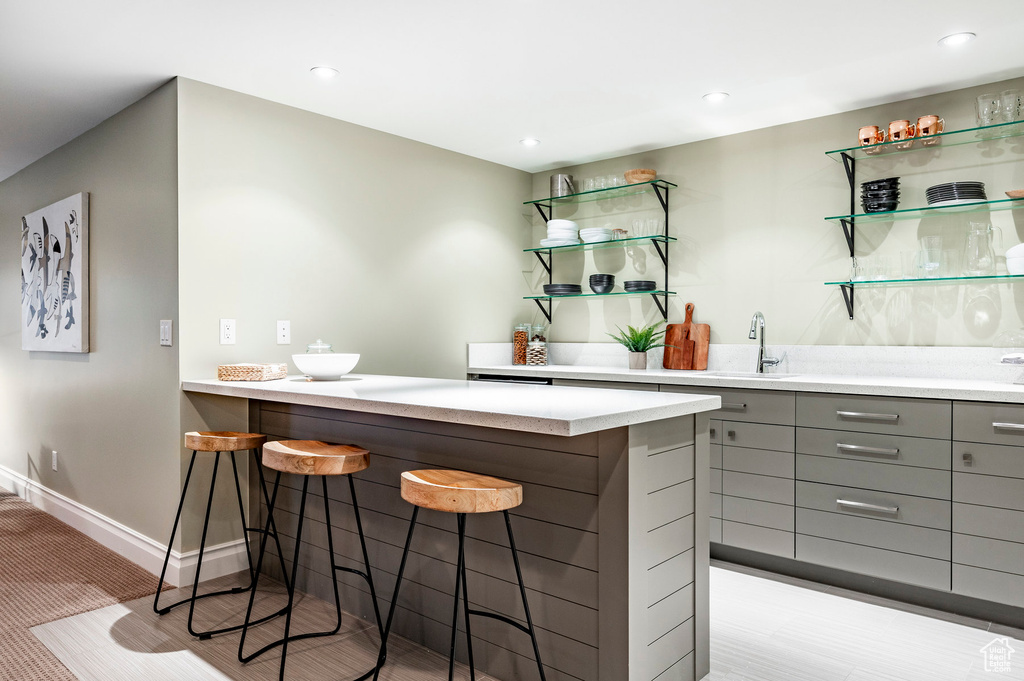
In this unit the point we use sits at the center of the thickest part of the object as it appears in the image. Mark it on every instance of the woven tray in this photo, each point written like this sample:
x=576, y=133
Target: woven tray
x=251, y=372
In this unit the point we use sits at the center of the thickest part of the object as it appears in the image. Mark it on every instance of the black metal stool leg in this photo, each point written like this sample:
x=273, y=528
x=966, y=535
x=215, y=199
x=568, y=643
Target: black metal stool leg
x=271, y=525
x=366, y=558
x=259, y=567
x=245, y=528
x=465, y=594
x=295, y=574
x=455, y=607
x=170, y=542
x=330, y=550
x=522, y=591
x=382, y=656
x=202, y=546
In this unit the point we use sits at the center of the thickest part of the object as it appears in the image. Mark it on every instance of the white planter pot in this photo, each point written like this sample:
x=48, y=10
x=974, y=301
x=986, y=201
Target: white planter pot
x=638, y=360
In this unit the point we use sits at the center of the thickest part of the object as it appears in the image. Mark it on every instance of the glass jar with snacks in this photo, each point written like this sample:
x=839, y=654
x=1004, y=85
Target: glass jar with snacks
x=520, y=339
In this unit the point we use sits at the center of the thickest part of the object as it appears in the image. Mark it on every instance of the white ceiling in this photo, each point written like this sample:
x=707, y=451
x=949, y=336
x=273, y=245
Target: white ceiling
x=591, y=79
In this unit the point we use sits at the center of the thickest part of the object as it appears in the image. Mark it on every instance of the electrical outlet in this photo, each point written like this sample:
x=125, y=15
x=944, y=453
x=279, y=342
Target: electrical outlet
x=165, y=332
x=284, y=332
x=53, y=460
x=227, y=332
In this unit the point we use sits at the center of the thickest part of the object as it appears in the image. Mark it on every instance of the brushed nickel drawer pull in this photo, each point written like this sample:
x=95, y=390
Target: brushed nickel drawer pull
x=712, y=432
x=1009, y=426
x=870, y=451
x=731, y=434
x=860, y=506
x=867, y=416
x=734, y=406
x=968, y=459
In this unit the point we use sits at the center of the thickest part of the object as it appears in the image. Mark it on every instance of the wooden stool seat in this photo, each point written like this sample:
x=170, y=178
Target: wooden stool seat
x=312, y=457
x=459, y=491
x=223, y=441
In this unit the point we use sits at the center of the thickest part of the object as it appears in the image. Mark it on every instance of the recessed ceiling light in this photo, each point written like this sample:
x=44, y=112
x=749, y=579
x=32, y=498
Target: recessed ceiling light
x=715, y=97
x=957, y=39
x=529, y=142
x=324, y=72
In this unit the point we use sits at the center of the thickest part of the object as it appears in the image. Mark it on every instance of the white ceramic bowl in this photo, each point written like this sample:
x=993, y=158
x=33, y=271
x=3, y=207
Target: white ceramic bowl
x=326, y=367
x=563, y=224
x=1015, y=265
x=1016, y=252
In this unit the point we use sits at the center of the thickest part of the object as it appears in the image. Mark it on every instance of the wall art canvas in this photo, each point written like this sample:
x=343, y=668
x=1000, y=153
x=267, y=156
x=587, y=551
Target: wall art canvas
x=55, y=277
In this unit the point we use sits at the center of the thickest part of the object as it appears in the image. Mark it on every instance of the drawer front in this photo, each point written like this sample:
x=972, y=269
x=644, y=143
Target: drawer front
x=716, y=481
x=715, y=431
x=920, y=482
x=608, y=385
x=758, y=436
x=983, y=521
x=868, y=531
x=991, y=554
x=899, y=567
x=864, y=413
x=892, y=449
x=1002, y=460
x=989, y=585
x=716, y=530
x=760, y=487
x=716, y=456
x=920, y=511
x=998, y=424
x=757, y=406
x=754, y=538
x=716, y=506
x=758, y=461
x=989, y=490
x=760, y=513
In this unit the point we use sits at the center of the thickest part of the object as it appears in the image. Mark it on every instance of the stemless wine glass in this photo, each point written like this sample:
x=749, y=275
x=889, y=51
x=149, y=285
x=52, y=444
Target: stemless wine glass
x=989, y=109
x=1010, y=105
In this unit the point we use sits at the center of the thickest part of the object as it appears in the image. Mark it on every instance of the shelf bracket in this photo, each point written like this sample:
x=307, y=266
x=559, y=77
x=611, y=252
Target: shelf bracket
x=663, y=308
x=849, y=232
x=546, y=264
x=662, y=253
x=540, y=209
x=847, y=290
x=662, y=198
x=547, y=312
x=850, y=164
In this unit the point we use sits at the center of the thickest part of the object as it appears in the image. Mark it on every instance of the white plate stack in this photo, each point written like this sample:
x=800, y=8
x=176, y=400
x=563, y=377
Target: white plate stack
x=592, y=235
x=561, y=233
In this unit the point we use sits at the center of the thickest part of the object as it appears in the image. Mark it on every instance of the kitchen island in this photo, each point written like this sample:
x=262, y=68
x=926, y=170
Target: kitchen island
x=612, y=532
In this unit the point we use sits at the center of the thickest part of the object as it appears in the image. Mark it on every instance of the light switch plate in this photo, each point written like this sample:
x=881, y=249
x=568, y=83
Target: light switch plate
x=284, y=332
x=227, y=332
x=166, y=329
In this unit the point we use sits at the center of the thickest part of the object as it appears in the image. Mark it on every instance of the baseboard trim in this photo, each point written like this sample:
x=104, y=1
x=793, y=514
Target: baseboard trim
x=219, y=560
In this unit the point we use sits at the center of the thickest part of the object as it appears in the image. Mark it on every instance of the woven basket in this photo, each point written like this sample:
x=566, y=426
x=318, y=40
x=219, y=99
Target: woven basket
x=251, y=372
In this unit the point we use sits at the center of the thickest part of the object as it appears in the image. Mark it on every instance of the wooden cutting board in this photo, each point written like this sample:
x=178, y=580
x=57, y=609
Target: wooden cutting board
x=700, y=335
x=680, y=350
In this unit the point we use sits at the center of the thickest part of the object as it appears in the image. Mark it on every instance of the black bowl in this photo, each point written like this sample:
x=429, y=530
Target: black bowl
x=601, y=288
x=880, y=207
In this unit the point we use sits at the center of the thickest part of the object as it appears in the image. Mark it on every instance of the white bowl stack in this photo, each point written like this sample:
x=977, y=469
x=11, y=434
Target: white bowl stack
x=561, y=233
x=1015, y=260
x=592, y=235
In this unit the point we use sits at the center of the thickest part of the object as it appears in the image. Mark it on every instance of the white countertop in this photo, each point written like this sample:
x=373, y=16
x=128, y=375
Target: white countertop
x=935, y=388
x=543, y=409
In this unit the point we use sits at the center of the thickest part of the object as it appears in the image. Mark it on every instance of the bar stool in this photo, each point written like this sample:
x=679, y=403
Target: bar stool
x=219, y=442
x=461, y=493
x=309, y=458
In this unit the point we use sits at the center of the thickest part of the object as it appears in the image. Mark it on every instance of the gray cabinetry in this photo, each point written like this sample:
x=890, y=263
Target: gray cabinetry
x=873, y=495
x=752, y=459
x=988, y=501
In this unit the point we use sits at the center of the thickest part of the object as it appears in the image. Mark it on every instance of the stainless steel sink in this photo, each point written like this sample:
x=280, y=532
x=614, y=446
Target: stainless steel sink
x=748, y=374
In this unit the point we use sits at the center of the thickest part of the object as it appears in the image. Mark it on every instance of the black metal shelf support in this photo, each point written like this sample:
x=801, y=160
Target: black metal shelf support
x=545, y=263
x=848, y=297
x=547, y=310
x=663, y=308
x=849, y=226
x=540, y=209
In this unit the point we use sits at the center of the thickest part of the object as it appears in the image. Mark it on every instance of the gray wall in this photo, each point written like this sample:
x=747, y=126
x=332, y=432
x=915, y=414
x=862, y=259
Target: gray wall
x=112, y=414
x=749, y=212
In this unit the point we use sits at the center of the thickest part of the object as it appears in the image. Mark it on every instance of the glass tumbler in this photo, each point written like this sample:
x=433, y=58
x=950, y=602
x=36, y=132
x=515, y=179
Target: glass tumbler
x=988, y=108
x=1011, y=104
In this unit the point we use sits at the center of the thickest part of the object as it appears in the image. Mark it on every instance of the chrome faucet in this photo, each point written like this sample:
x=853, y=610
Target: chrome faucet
x=758, y=323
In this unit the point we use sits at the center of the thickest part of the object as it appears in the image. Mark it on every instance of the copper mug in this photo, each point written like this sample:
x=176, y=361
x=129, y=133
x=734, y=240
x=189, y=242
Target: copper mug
x=930, y=125
x=904, y=131
x=870, y=134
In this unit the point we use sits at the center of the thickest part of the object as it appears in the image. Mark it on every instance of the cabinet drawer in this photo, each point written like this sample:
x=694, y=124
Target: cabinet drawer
x=757, y=406
x=921, y=482
x=758, y=461
x=760, y=513
x=989, y=490
x=715, y=431
x=716, y=530
x=864, y=413
x=761, y=487
x=758, y=436
x=763, y=539
x=920, y=511
x=892, y=449
x=899, y=567
x=999, y=424
x=1002, y=460
x=983, y=521
x=868, y=531
x=992, y=554
x=716, y=456
x=607, y=385
x=716, y=480
x=989, y=585
x=716, y=506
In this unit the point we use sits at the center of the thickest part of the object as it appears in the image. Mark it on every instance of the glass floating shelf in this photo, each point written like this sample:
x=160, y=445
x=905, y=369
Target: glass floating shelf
x=928, y=280
x=607, y=193
x=929, y=211
x=657, y=292
x=611, y=243
x=946, y=139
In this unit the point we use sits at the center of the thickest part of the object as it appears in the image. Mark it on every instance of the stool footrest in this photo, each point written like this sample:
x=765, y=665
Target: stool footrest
x=496, y=616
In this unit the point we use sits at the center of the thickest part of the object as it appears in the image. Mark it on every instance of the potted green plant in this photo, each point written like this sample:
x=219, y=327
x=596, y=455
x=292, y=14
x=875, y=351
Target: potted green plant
x=639, y=341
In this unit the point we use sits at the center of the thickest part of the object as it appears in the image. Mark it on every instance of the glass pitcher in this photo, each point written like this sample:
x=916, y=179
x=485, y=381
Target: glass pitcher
x=980, y=252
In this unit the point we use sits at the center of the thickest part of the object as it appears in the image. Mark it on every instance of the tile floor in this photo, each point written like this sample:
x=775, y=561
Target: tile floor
x=763, y=628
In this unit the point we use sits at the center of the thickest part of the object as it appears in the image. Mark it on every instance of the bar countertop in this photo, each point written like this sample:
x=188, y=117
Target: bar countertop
x=552, y=410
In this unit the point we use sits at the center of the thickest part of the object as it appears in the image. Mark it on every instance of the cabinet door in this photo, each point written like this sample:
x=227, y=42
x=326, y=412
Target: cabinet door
x=998, y=424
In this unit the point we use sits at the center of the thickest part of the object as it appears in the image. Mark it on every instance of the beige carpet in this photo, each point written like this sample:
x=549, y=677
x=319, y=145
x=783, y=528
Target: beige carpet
x=49, y=571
